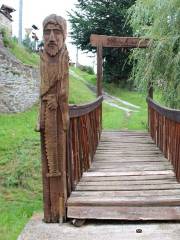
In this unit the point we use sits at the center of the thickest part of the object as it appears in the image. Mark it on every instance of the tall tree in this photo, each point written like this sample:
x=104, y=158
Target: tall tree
x=160, y=21
x=106, y=17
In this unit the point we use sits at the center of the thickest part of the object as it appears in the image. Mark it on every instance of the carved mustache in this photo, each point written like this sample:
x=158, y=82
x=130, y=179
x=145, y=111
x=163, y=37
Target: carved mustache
x=52, y=44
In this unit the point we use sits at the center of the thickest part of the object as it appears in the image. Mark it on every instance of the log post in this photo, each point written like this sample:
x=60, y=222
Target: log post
x=54, y=117
x=99, y=69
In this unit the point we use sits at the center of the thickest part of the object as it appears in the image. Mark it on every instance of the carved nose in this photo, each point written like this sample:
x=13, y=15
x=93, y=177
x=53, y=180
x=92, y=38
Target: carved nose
x=51, y=38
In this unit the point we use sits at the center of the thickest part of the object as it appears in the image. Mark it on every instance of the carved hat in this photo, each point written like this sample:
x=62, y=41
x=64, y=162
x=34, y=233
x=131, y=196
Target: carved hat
x=53, y=18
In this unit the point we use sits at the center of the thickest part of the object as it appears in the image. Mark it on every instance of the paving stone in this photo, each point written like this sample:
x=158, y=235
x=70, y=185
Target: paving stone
x=36, y=229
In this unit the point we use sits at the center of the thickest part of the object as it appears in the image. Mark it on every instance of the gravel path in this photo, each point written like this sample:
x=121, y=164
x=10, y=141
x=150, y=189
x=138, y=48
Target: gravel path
x=99, y=230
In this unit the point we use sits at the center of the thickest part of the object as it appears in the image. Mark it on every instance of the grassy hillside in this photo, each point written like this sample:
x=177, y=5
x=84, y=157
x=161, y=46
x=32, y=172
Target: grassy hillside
x=20, y=177
x=23, y=55
x=78, y=92
x=20, y=167
x=20, y=171
x=19, y=51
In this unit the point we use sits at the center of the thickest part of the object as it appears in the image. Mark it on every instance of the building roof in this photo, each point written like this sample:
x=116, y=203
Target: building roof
x=6, y=11
x=7, y=8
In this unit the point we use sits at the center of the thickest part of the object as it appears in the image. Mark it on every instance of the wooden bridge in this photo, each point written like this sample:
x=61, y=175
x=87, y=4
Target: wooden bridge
x=126, y=175
x=129, y=178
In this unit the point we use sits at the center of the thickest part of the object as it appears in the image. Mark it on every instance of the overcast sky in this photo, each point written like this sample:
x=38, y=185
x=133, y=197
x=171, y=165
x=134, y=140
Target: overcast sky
x=34, y=11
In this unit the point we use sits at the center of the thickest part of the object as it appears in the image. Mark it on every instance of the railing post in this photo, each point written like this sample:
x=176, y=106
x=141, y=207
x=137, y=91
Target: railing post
x=54, y=118
x=99, y=69
x=85, y=133
x=165, y=131
x=150, y=89
x=150, y=95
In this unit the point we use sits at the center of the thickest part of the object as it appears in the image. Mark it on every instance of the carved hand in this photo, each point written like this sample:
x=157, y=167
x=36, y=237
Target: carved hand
x=51, y=101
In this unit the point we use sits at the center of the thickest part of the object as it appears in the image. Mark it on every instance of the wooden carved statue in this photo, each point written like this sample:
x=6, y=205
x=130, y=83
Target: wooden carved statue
x=54, y=116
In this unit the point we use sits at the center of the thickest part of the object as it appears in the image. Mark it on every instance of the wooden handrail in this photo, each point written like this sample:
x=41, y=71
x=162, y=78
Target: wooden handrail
x=82, y=139
x=79, y=110
x=164, y=127
x=169, y=113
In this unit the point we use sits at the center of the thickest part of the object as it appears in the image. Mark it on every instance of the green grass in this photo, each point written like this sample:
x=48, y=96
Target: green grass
x=79, y=92
x=19, y=172
x=118, y=119
x=91, y=78
x=19, y=51
x=16, y=208
x=24, y=56
x=133, y=97
x=20, y=179
x=115, y=118
x=133, y=121
x=20, y=165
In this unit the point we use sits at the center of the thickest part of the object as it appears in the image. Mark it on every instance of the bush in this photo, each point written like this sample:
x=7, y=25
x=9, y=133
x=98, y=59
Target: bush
x=8, y=42
x=27, y=44
x=87, y=69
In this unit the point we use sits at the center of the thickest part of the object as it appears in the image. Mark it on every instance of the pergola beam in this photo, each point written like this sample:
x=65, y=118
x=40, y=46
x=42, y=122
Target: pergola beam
x=119, y=42
x=101, y=41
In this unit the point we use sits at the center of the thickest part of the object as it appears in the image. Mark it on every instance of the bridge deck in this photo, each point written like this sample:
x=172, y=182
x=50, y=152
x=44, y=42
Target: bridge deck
x=129, y=179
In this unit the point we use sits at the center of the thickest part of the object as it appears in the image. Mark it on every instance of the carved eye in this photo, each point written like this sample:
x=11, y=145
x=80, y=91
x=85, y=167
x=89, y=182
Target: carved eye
x=47, y=32
x=57, y=31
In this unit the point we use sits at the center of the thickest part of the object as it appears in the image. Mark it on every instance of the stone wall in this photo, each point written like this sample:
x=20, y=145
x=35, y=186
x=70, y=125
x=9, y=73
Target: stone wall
x=19, y=84
x=1, y=40
x=5, y=23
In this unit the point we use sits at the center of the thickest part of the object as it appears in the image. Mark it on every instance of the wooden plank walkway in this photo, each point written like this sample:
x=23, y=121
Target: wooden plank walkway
x=129, y=179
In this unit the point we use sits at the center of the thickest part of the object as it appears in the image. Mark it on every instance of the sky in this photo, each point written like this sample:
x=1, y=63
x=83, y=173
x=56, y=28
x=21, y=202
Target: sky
x=35, y=11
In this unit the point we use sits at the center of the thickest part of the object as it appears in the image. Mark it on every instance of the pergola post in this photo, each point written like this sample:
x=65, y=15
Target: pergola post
x=101, y=41
x=99, y=70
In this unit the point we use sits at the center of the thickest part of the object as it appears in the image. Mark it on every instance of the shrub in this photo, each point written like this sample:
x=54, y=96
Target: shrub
x=8, y=42
x=87, y=69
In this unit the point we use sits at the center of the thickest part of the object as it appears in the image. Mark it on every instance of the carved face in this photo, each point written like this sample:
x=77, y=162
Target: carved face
x=53, y=38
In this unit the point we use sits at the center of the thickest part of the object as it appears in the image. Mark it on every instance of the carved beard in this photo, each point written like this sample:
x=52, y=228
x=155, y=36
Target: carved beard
x=52, y=50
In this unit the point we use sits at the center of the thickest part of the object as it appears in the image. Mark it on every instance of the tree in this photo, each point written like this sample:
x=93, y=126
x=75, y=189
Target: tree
x=27, y=43
x=106, y=17
x=160, y=21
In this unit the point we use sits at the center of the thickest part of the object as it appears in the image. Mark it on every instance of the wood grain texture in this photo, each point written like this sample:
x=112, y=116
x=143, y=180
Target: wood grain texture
x=119, y=175
x=115, y=41
x=164, y=127
x=127, y=182
x=83, y=138
x=99, y=69
x=84, y=109
x=125, y=213
x=54, y=117
x=137, y=201
x=127, y=193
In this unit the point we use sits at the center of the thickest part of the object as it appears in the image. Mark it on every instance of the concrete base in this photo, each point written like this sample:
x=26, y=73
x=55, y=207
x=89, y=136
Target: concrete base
x=100, y=230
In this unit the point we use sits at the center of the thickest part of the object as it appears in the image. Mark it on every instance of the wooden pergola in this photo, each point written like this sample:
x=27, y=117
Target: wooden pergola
x=101, y=41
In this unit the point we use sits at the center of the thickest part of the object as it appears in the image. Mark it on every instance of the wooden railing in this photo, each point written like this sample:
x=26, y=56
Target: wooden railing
x=82, y=139
x=164, y=127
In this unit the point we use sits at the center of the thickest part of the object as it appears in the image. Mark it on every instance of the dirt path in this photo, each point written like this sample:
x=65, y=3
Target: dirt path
x=109, y=99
